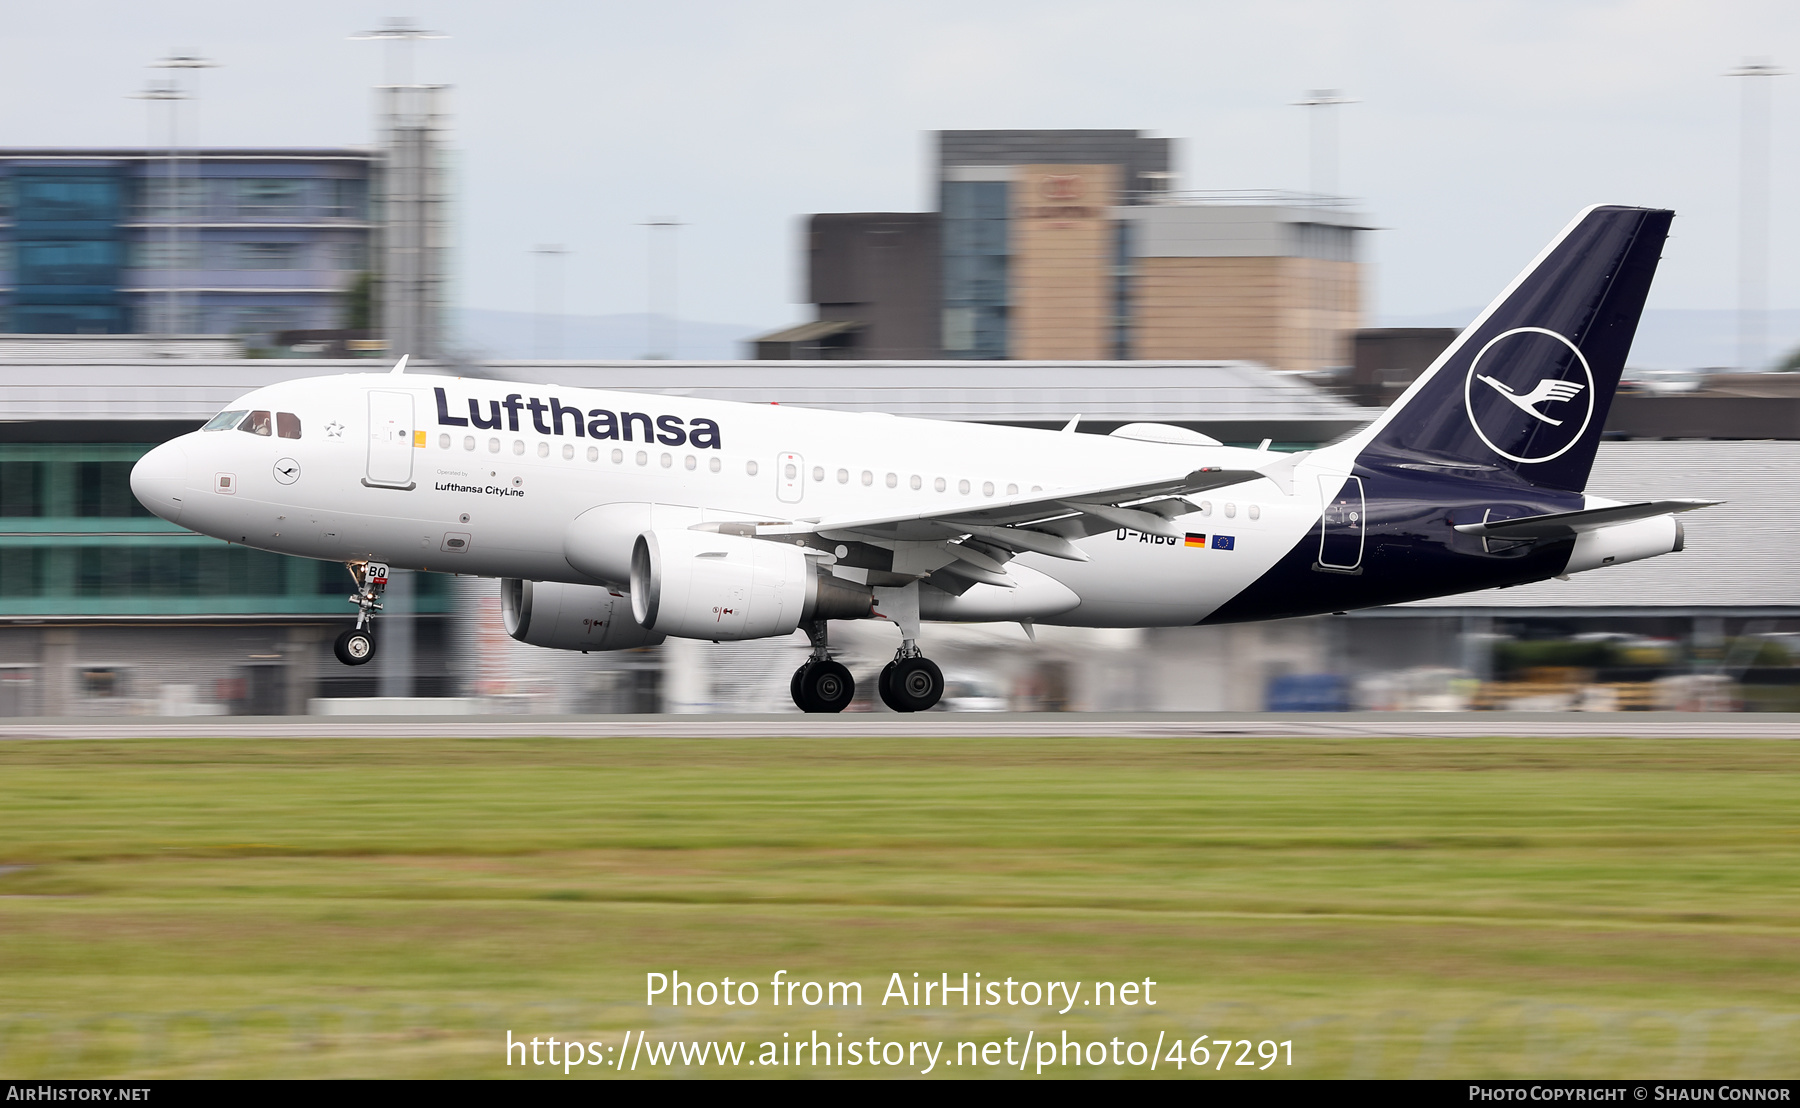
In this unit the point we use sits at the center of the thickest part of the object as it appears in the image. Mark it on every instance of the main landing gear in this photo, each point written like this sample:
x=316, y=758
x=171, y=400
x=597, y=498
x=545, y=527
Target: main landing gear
x=821, y=685
x=357, y=645
x=911, y=682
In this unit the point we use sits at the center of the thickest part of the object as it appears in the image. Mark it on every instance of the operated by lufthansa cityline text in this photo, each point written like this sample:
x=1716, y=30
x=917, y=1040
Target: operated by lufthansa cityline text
x=903, y=990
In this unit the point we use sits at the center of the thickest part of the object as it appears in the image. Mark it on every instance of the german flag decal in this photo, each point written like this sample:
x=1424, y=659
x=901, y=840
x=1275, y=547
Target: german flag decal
x=1198, y=541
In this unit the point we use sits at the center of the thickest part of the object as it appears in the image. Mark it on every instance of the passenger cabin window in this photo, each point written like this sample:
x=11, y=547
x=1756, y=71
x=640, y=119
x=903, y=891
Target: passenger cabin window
x=258, y=423
x=287, y=425
x=224, y=421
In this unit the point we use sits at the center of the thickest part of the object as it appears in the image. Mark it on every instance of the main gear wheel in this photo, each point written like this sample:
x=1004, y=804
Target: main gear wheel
x=822, y=686
x=912, y=684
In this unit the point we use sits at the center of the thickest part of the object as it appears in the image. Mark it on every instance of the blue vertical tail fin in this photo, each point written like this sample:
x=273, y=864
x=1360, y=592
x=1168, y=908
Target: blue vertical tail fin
x=1526, y=388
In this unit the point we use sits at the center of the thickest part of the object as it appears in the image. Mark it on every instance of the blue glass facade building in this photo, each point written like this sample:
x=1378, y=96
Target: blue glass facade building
x=975, y=221
x=231, y=242
x=976, y=201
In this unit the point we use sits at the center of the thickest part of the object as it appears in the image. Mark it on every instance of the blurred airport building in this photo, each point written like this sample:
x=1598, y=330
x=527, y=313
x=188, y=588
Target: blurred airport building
x=106, y=610
x=288, y=251
x=218, y=242
x=1076, y=245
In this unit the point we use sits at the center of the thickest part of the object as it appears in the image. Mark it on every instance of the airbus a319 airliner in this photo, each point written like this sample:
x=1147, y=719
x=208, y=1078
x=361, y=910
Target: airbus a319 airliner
x=615, y=519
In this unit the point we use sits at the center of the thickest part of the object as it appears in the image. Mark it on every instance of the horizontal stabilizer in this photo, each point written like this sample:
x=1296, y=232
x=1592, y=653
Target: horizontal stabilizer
x=1561, y=525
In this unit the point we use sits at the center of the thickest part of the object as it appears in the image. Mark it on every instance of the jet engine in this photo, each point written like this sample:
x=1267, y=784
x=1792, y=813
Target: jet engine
x=570, y=617
x=703, y=585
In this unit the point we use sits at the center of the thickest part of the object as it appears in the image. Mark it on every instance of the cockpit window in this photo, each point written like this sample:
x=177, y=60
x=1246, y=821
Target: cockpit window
x=224, y=421
x=257, y=424
x=287, y=425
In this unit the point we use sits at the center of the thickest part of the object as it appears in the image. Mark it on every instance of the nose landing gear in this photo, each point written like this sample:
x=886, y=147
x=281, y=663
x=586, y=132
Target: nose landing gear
x=357, y=645
x=821, y=685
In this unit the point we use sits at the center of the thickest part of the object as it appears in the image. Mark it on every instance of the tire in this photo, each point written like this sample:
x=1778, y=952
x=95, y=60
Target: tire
x=795, y=688
x=827, y=687
x=915, y=685
x=884, y=685
x=354, y=647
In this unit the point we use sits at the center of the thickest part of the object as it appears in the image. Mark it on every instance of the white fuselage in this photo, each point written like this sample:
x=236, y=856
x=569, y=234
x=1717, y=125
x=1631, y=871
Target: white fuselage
x=377, y=474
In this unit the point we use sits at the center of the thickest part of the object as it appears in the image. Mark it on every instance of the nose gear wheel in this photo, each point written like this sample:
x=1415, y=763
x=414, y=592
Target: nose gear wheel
x=354, y=647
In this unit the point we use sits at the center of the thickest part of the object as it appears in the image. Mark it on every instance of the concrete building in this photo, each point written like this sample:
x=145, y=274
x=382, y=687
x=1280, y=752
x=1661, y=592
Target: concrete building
x=1030, y=251
x=1259, y=278
x=875, y=279
x=1385, y=360
x=230, y=242
x=1075, y=245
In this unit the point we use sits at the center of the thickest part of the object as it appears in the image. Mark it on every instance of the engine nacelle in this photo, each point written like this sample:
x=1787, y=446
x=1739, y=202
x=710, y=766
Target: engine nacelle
x=704, y=585
x=570, y=617
x=598, y=543
x=1625, y=542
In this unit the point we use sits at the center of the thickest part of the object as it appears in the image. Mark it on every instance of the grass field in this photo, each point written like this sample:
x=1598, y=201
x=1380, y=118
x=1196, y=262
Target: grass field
x=1392, y=908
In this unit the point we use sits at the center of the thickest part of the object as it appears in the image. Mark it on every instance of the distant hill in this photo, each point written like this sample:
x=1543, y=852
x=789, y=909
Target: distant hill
x=1667, y=338
x=488, y=333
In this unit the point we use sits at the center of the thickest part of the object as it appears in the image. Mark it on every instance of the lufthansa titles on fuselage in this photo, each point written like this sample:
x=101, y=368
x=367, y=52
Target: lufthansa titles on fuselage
x=596, y=423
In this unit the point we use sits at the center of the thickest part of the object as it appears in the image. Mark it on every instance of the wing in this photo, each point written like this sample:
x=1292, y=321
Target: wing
x=1562, y=390
x=974, y=541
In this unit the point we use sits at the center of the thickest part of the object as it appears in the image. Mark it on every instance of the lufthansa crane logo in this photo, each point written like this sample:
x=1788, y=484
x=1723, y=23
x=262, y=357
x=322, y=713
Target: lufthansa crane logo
x=1529, y=395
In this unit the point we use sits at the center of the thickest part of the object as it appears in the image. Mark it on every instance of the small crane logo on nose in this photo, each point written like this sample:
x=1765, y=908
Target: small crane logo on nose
x=287, y=471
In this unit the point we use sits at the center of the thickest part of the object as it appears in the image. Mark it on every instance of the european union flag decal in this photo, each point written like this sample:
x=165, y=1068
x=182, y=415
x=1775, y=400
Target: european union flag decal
x=1224, y=542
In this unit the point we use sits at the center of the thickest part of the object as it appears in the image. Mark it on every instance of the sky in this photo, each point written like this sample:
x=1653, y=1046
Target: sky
x=1479, y=129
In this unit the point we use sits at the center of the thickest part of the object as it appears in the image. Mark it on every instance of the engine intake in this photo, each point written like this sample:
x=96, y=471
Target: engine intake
x=570, y=617
x=703, y=585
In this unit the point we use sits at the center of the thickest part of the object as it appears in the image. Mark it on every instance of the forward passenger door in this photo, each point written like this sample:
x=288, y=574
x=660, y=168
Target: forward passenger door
x=391, y=439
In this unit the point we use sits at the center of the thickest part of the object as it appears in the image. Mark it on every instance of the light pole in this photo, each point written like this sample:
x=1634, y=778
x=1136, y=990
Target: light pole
x=1753, y=211
x=547, y=342
x=1323, y=120
x=671, y=225
x=177, y=321
x=399, y=34
x=170, y=92
x=408, y=279
x=409, y=270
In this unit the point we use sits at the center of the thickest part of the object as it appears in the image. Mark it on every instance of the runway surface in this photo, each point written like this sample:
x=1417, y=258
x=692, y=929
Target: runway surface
x=1448, y=725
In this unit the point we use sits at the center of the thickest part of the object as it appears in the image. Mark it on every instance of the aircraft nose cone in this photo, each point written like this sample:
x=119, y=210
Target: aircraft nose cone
x=159, y=480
